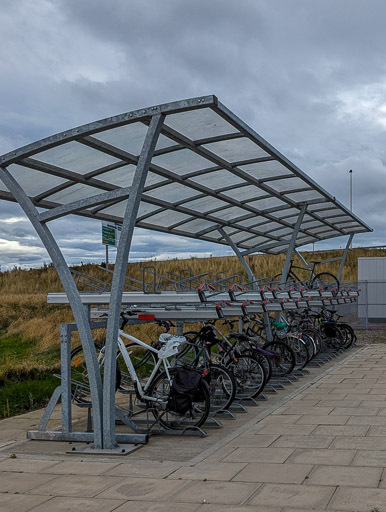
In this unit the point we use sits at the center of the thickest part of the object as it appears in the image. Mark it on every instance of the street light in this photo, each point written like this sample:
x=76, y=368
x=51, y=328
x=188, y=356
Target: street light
x=350, y=173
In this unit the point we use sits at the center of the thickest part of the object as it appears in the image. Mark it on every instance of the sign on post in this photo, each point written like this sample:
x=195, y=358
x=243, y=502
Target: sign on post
x=110, y=233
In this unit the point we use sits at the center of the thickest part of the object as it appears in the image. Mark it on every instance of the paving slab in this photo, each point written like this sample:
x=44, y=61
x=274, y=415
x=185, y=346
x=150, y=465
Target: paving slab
x=323, y=420
x=210, y=471
x=340, y=430
x=65, y=504
x=296, y=496
x=303, y=442
x=345, y=476
x=233, y=508
x=146, y=489
x=358, y=499
x=369, y=458
x=249, y=454
x=84, y=486
x=153, y=506
x=10, y=502
x=322, y=456
x=254, y=440
x=217, y=492
x=274, y=473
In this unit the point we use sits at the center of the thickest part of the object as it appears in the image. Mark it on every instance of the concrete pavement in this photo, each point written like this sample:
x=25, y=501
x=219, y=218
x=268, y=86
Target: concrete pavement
x=318, y=445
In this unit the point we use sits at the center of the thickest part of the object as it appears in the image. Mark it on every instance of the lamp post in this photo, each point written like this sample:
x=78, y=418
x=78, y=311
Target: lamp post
x=350, y=174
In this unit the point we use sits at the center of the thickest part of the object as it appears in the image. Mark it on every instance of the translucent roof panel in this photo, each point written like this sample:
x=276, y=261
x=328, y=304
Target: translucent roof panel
x=217, y=179
x=236, y=150
x=76, y=157
x=181, y=162
x=199, y=124
x=209, y=171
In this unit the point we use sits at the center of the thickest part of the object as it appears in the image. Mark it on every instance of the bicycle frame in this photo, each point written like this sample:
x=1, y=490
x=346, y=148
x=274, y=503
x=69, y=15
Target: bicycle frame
x=162, y=361
x=311, y=271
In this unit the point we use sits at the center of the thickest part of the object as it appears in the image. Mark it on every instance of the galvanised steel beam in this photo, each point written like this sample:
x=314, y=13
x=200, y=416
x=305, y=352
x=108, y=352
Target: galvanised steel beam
x=344, y=256
x=119, y=153
x=292, y=244
x=118, y=281
x=106, y=124
x=176, y=136
x=76, y=206
x=306, y=265
x=231, y=118
x=236, y=250
x=77, y=307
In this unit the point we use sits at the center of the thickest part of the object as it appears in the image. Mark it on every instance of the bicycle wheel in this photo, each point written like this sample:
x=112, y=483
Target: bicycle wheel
x=222, y=386
x=325, y=281
x=249, y=375
x=80, y=384
x=277, y=279
x=160, y=389
x=349, y=333
x=282, y=357
x=299, y=346
x=316, y=339
x=144, y=362
x=332, y=336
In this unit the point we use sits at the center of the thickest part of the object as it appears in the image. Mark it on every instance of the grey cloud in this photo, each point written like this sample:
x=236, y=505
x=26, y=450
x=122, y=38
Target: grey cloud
x=310, y=77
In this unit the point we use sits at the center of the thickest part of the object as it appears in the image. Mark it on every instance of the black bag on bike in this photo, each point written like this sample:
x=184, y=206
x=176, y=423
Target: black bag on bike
x=184, y=390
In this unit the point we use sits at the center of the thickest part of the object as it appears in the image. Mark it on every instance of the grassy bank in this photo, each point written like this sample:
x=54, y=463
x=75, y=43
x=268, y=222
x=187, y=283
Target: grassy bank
x=29, y=328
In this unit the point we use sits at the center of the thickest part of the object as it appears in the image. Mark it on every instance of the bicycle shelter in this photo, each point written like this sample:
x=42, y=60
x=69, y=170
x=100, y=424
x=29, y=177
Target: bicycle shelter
x=189, y=168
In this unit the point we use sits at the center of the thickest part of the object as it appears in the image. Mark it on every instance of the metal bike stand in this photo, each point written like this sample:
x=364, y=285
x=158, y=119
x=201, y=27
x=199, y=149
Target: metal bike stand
x=251, y=402
x=64, y=392
x=225, y=414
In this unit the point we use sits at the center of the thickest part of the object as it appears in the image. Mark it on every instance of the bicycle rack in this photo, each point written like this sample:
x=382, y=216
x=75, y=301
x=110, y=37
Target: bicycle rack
x=235, y=300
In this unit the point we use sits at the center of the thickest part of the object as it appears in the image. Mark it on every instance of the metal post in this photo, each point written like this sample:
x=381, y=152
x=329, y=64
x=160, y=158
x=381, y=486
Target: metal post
x=117, y=286
x=72, y=294
x=350, y=173
x=65, y=372
x=367, y=305
x=291, y=246
x=107, y=256
x=252, y=278
x=344, y=256
x=236, y=250
x=301, y=259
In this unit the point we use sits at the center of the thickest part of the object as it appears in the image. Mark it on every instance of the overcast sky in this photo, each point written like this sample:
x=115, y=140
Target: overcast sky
x=307, y=75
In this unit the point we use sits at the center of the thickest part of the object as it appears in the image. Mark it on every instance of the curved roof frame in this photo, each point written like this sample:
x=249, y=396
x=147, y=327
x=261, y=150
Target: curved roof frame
x=255, y=199
x=191, y=168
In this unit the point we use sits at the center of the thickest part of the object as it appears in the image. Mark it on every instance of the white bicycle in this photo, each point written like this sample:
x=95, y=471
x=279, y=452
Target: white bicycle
x=158, y=386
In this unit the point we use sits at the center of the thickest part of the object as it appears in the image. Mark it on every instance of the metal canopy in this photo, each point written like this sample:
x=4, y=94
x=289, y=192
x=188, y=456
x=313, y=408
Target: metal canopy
x=211, y=177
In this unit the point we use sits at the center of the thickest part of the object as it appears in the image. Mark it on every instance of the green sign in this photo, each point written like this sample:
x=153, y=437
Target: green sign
x=110, y=233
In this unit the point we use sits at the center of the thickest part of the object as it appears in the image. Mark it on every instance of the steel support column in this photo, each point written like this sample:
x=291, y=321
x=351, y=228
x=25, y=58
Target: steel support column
x=292, y=244
x=236, y=250
x=306, y=265
x=344, y=256
x=252, y=278
x=117, y=286
x=72, y=294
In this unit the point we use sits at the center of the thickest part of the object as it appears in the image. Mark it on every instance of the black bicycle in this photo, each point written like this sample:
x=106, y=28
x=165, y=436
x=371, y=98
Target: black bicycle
x=315, y=281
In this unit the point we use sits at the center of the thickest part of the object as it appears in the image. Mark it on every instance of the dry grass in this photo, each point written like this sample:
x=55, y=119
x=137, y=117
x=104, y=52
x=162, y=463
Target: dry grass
x=24, y=312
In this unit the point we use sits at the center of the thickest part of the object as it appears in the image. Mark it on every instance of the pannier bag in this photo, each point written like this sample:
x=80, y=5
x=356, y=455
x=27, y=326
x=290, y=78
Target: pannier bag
x=184, y=390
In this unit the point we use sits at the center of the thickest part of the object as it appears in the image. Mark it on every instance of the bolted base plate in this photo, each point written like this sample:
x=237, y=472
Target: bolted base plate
x=88, y=449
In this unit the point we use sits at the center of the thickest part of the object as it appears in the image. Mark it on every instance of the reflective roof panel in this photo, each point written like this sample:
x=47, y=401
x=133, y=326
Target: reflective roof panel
x=209, y=172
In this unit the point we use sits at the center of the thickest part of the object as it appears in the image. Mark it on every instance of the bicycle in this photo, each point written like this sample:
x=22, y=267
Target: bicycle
x=249, y=374
x=155, y=393
x=321, y=280
x=281, y=355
